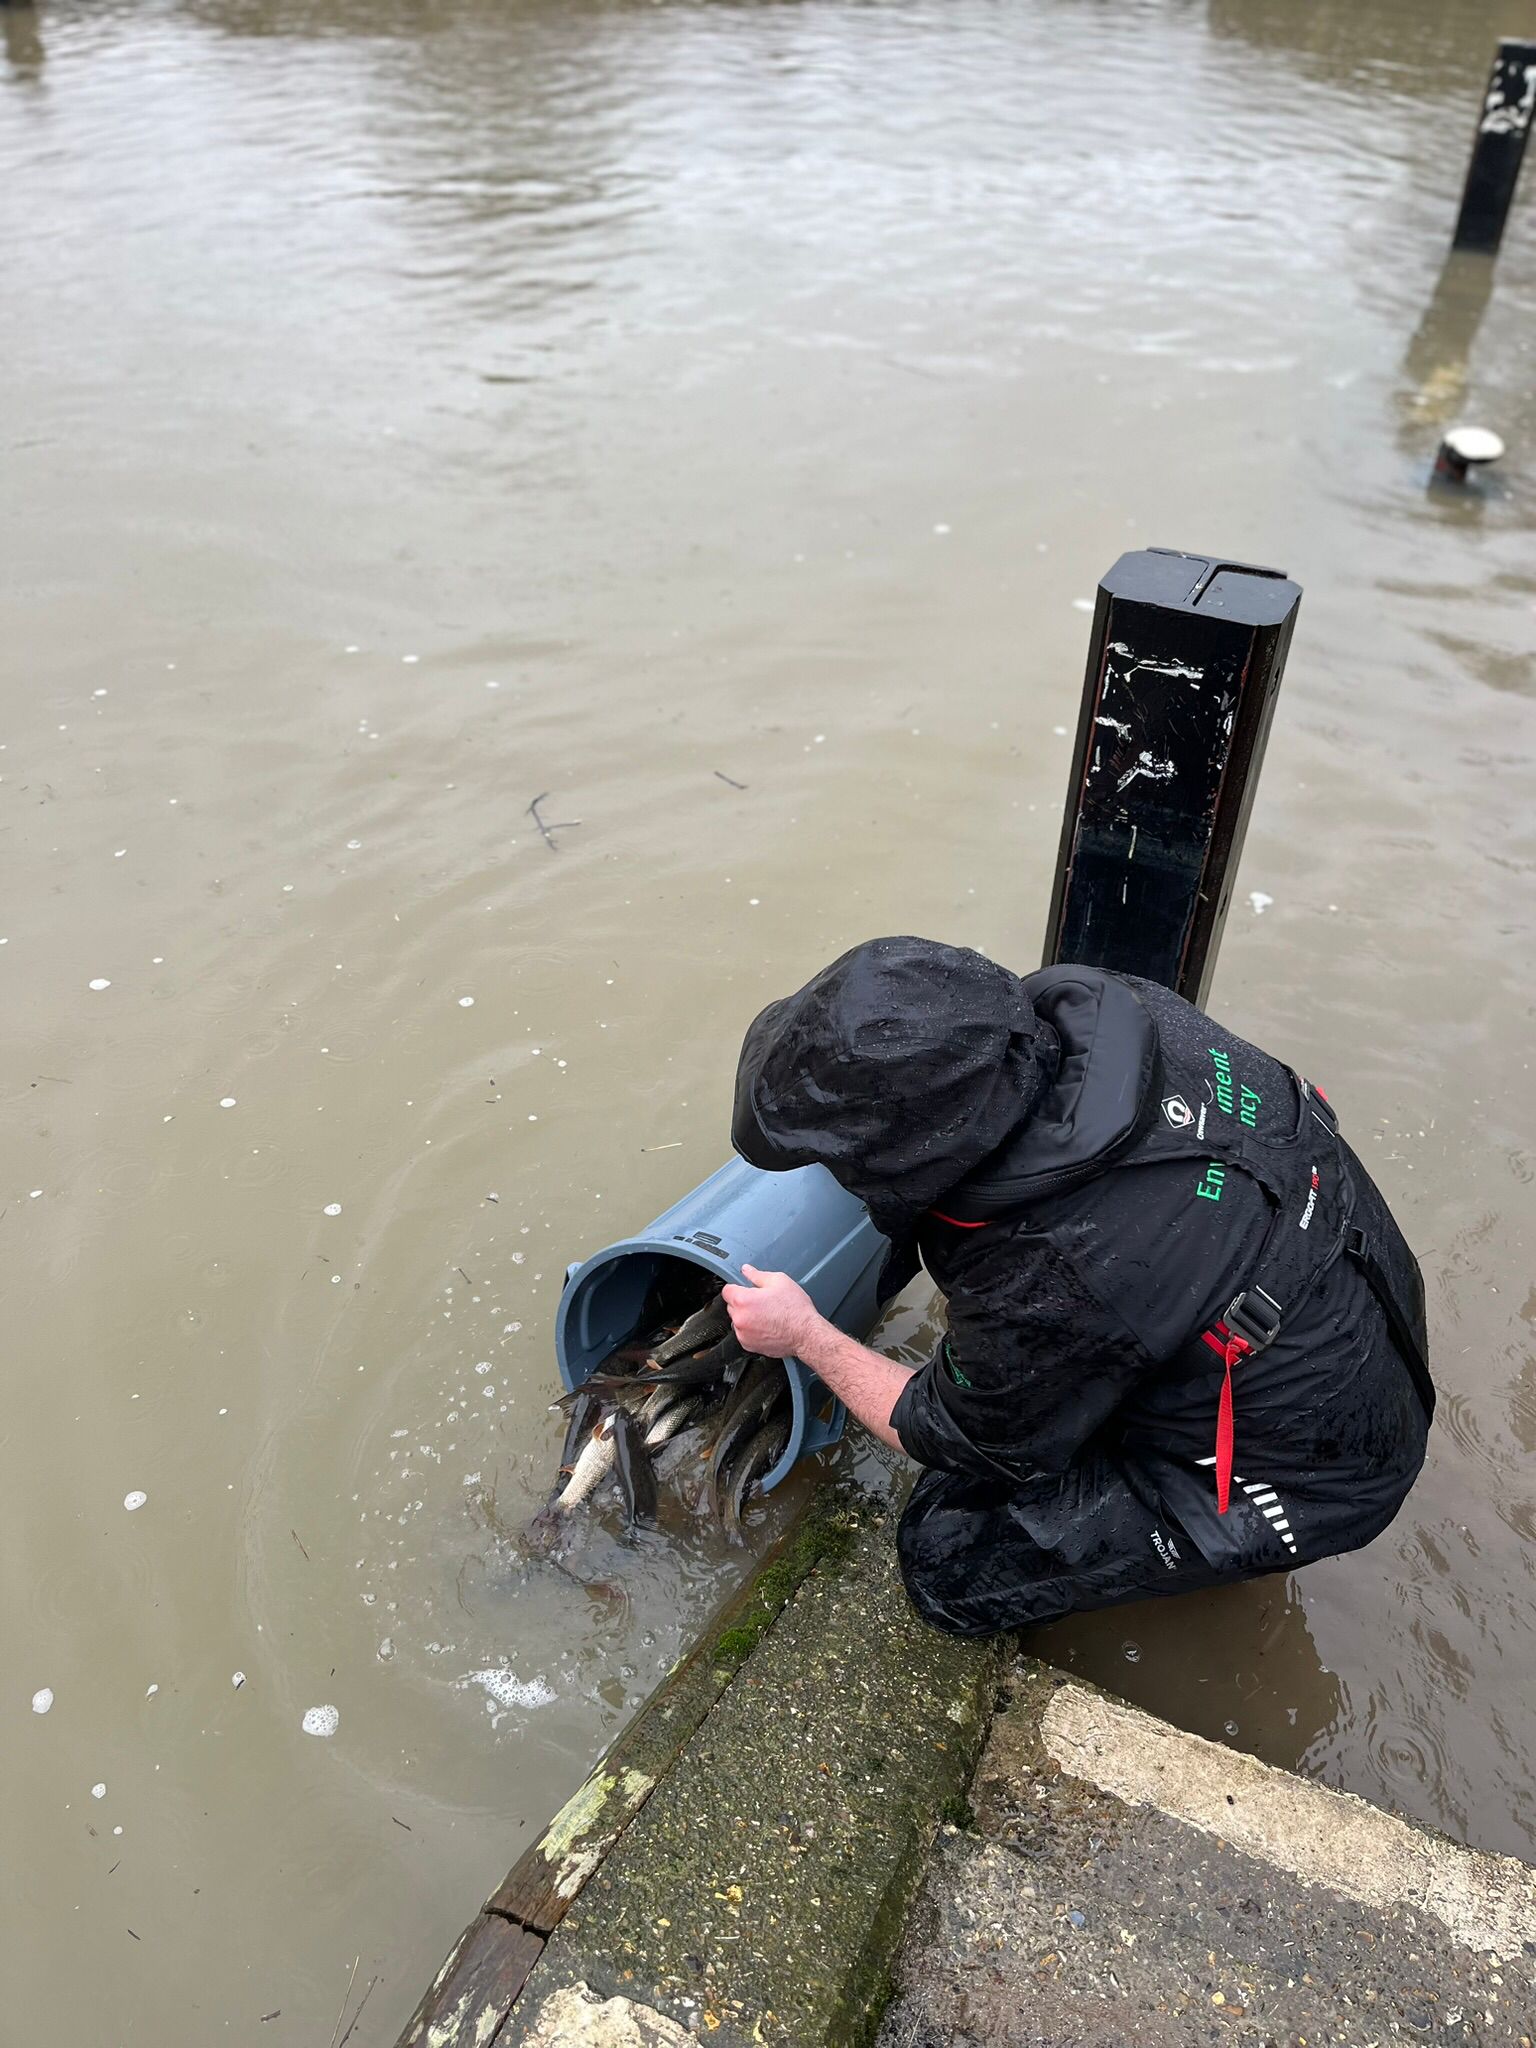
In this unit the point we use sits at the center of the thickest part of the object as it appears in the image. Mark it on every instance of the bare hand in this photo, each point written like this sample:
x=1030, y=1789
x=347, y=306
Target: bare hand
x=774, y=1317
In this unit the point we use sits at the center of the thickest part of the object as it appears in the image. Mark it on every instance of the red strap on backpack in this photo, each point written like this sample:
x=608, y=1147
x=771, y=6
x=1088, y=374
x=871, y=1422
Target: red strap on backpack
x=1236, y=1348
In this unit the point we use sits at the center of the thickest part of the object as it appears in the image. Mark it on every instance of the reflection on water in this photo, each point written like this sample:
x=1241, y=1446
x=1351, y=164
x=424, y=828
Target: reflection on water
x=714, y=416
x=1239, y=1666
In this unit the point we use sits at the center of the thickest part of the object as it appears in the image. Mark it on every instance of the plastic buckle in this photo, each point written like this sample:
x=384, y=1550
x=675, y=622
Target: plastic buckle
x=1256, y=1317
x=1319, y=1104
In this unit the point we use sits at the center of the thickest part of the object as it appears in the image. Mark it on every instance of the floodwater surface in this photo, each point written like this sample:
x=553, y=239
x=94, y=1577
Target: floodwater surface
x=717, y=417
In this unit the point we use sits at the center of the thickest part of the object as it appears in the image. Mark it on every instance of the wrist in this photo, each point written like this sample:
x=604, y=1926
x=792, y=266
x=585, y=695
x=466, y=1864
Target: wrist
x=812, y=1346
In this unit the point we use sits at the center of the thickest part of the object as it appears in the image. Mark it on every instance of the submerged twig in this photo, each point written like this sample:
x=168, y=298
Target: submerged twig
x=730, y=779
x=346, y=2037
x=345, y=1996
x=547, y=832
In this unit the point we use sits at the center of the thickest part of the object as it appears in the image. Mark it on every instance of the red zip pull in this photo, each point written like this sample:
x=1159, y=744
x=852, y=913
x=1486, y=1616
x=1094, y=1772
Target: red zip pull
x=1237, y=1347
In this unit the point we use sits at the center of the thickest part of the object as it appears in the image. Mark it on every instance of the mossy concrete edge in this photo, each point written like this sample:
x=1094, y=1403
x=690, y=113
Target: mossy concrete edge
x=762, y=1892
x=531, y=1899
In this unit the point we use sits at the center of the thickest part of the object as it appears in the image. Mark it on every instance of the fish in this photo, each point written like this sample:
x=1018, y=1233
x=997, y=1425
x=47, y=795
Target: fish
x=762, y=1453
x=637, y=1475
x=680, y=1416
x=705, y=1326
x=591, y=1468
x=724, y=1360
x=761, y=1386
x=584, y=1414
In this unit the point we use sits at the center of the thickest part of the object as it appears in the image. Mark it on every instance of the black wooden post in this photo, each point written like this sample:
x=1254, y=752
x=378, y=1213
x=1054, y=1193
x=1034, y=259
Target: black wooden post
x=1498, y=147
x=1183, y=672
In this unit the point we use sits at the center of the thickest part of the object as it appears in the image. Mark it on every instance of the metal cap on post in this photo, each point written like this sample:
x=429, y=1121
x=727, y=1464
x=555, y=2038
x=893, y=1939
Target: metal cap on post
x=1183, y=672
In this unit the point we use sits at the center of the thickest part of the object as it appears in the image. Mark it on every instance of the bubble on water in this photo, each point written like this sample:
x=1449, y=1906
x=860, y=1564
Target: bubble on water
x=321, y=1721
x=335, y=1279
x=1131, y=1652
x=504, y=1689
x=1229, y=1727
x=100, y=982
x=386, y=1649
x=98, y=693
x=484, y=1366
x=941, y=526
x=352, y=649
x=42, y=1700
x=493, y=686
x=333, y=1208
x=466, y=1002
x=353, y=845
x=226, y=1102
x=33, y=1194
x=134, y=1500
x=1260, y=901
x=152, y=1691
x=410, y=657
x=237, y=1679
x=98, y=1791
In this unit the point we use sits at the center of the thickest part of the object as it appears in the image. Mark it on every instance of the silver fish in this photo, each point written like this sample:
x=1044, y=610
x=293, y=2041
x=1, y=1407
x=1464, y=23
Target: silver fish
x=704, y=1327
x=591, y=1468
x=672, y=1423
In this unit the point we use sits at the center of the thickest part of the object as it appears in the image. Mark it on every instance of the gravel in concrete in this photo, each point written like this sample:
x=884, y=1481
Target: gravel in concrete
x=1069, y=1914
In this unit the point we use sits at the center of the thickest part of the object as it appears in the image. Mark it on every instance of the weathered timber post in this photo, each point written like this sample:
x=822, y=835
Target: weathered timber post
x=1183, y=672
x=1498, y=147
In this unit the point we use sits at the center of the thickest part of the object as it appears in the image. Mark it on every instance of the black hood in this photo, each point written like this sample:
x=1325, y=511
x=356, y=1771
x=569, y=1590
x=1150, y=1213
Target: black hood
x=899, y=1068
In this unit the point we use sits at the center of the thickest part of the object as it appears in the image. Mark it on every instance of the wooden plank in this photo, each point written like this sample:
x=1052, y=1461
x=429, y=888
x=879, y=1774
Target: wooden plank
x=474, y=1991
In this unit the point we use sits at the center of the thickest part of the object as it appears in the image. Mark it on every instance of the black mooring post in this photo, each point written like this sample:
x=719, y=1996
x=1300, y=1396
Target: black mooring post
x=1183, y=672
x=1497, y=148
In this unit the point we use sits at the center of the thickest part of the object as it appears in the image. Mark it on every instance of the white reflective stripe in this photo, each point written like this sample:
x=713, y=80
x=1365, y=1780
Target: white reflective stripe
x=1282, y=1525
x=1210, y=1461
x=1271, y=1514
x=1261, y=1494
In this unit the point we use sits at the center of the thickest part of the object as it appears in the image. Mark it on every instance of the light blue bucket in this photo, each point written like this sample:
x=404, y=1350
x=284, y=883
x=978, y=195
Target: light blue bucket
x=801, y=1223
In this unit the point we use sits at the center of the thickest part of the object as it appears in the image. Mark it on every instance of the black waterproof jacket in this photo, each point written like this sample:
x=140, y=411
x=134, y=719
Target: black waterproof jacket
x=1092, y=1169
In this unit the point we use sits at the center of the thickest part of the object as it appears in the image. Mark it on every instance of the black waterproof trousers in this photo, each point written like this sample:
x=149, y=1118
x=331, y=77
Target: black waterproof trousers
x=980, y=1556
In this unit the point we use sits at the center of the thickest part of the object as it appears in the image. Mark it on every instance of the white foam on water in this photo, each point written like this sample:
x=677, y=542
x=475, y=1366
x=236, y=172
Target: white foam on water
x=466, y=1002
x=505, y=1690
x=333, y=1208
x=237, y=1679
x=321, y=1721
x=42, y=1699
x=226, y=1102
x=99, y=983
x=98, y=1791
x=134, y=1500
x=1260, y=901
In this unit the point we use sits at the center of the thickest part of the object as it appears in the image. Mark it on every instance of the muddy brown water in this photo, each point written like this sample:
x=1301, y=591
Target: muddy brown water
x=409, y=409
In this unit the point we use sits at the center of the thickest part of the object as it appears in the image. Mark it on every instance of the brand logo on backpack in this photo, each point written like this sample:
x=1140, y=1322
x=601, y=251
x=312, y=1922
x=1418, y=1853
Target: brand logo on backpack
x=1178, y=1112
